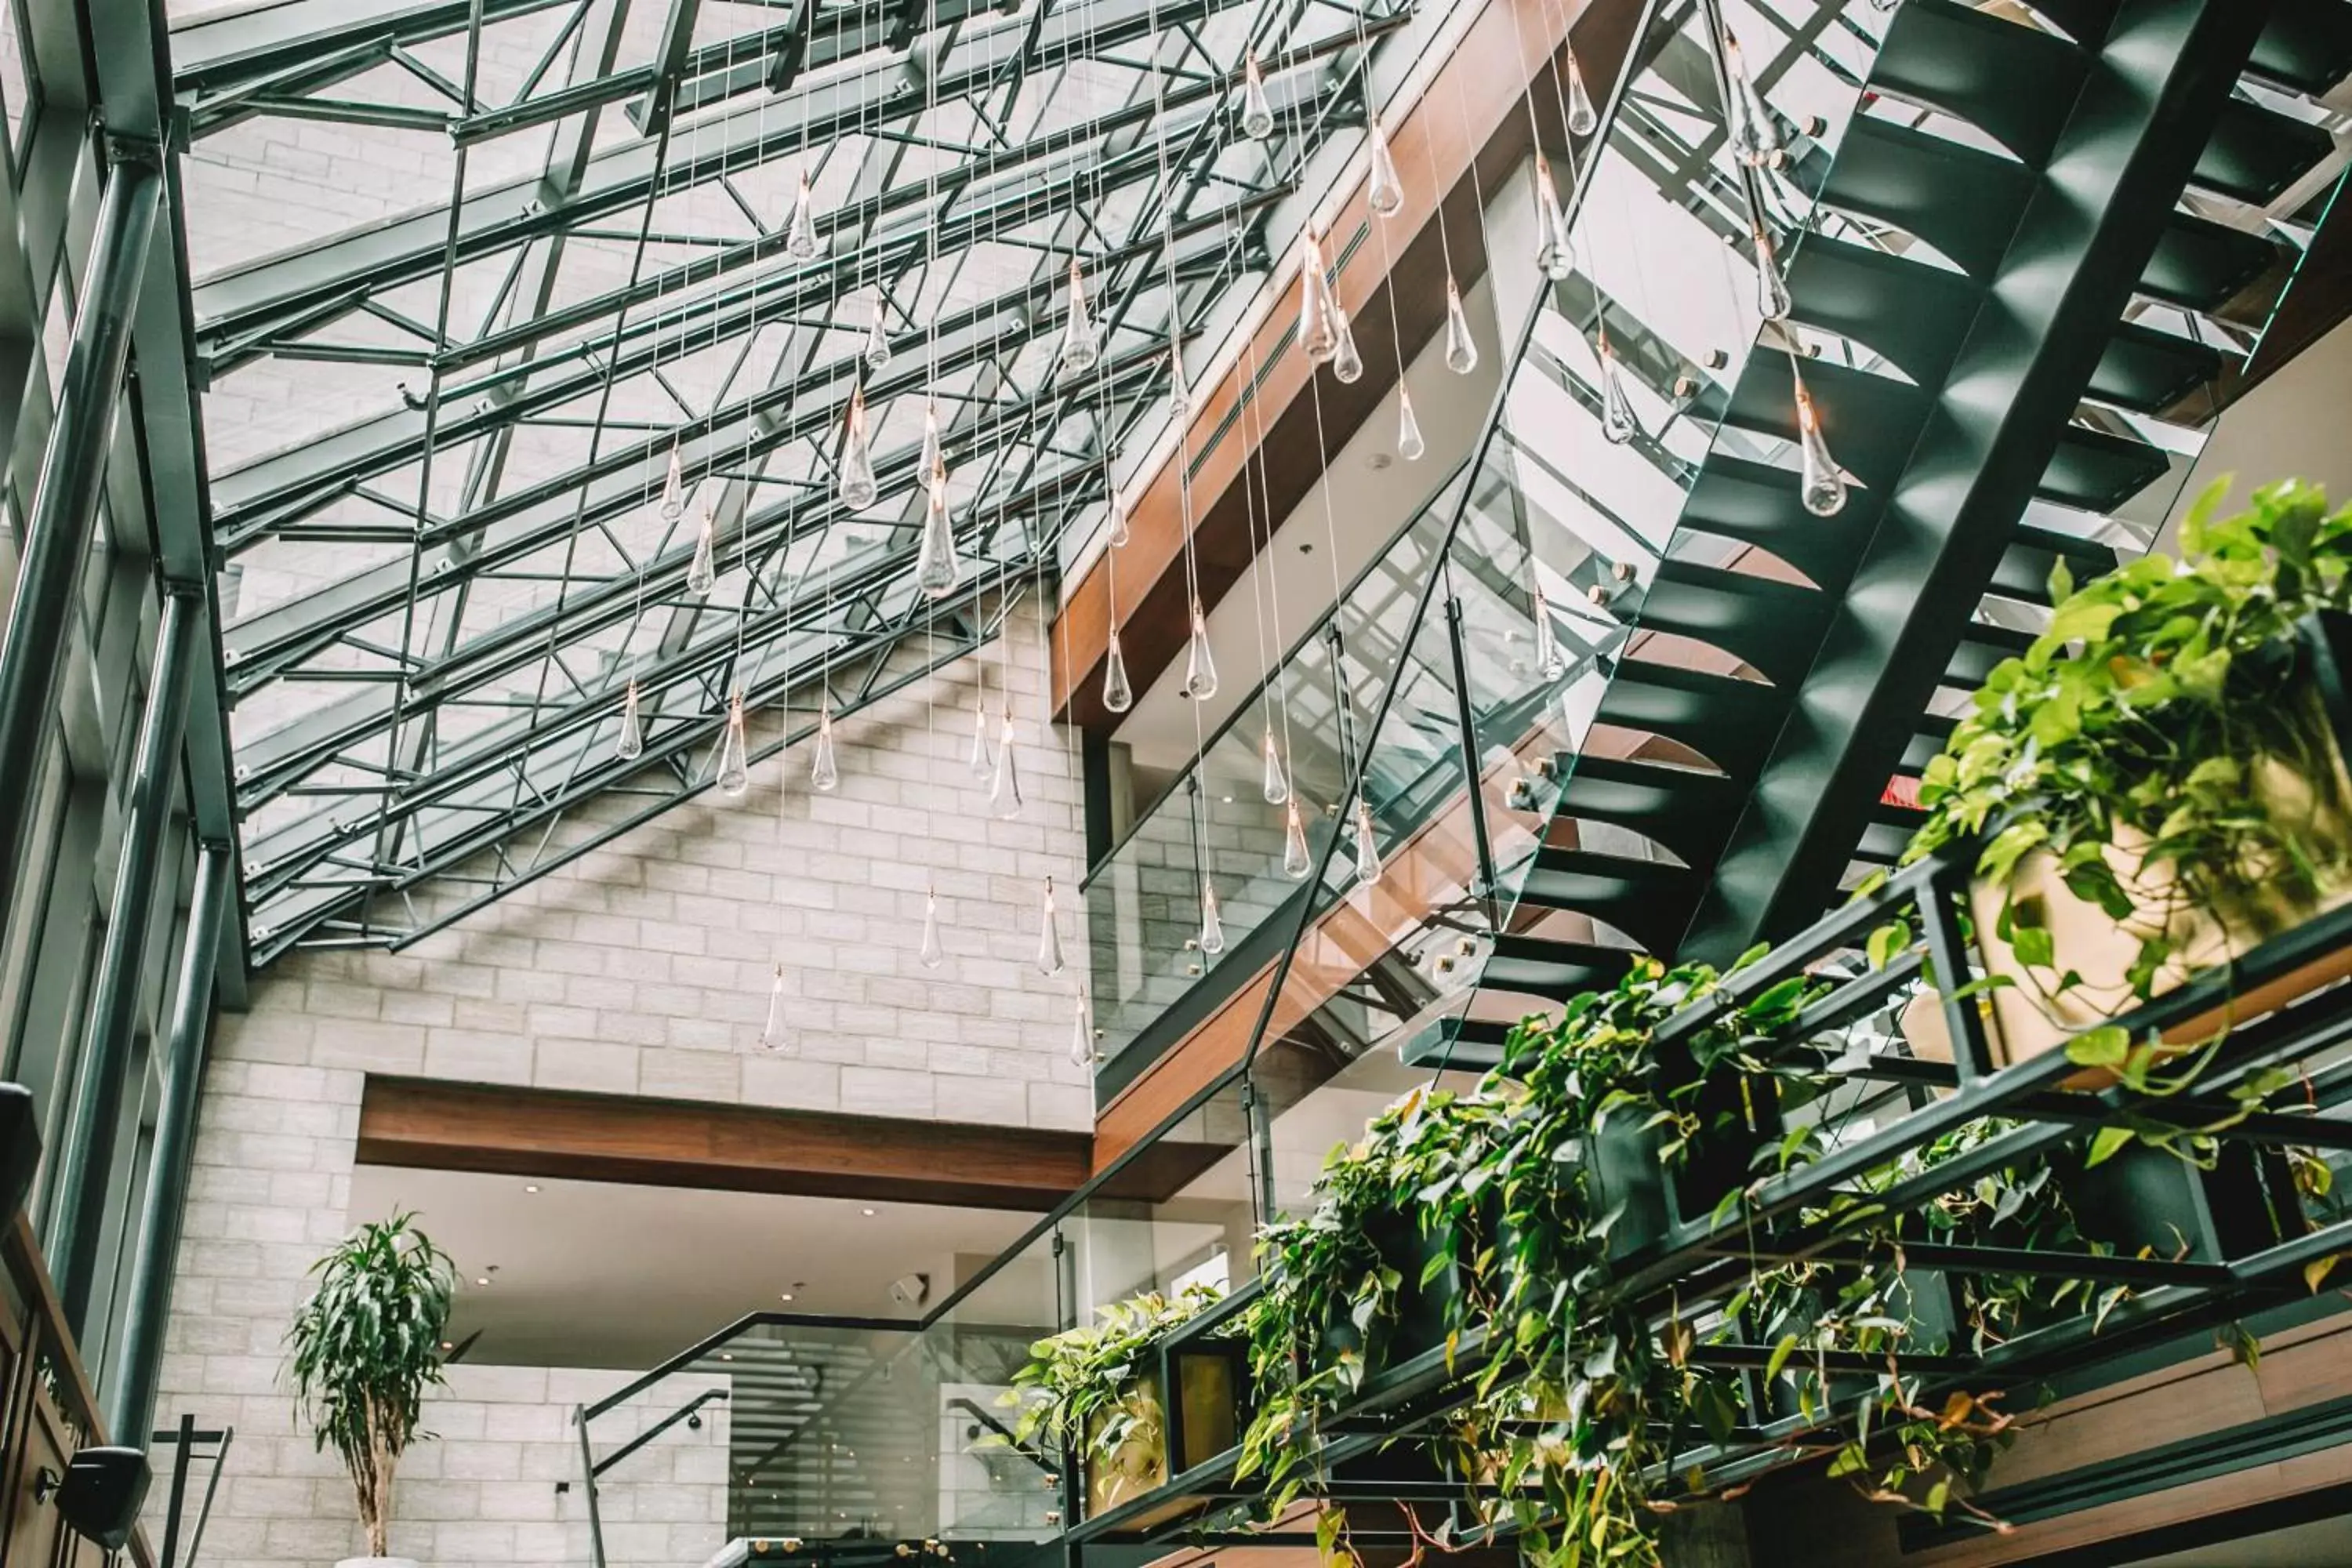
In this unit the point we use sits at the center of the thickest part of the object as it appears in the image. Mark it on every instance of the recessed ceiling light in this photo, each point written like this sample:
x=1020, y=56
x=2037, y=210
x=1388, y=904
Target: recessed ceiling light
x=482, y=1280
x=449, y=1345
x=785, y=1296
x=531, y=1187
x=868, y=1213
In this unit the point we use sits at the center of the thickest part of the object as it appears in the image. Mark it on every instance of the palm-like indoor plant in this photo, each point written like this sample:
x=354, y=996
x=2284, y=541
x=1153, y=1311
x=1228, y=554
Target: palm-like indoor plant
x=361, y=1351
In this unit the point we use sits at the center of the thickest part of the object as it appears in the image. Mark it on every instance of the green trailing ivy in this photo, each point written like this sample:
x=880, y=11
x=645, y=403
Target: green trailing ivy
x=1082, y=1390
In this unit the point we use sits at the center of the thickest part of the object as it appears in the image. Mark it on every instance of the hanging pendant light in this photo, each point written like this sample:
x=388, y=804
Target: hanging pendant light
x=936, y=567
x=1200, y=663
x=825, y=772
x=1213, y=928
x=1082, y=1036
x=1461, y=345
x=800, y=235
x=673, y=496
x=1257, y=111
x=702, y=572
x=631, y=744
x=1823, y=484
x=1118, y=696
x=1180, y=395
x=1754, y=134
x=1384, y=192
x=1772, y=296
x=1049, y=937
x=934, y=457
x=878, y=341
x=932, y=954
x=734, y=775
x=1410, y=445
x=1346, y=364
x=1550, y=663
x=1276, y=781
x=772, y=1037
x=1004, y=787
x=1581, y=120
x=1553, y=257
x=1618, y=424
x=1368, y=848
x=1117, y=527
x=1295, y=862
x=1319, y=333
x=1081, y=339
x=858, y=488
x=981, y=762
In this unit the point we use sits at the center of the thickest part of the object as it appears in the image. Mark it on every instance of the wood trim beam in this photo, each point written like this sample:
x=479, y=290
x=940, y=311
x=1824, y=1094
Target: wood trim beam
x=421, y=1124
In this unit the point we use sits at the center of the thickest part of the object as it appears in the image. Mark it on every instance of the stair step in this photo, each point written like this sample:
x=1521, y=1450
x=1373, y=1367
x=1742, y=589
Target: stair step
x=1934, y=734
x=1649, y=901
x=2095, y=471
x=1872, y=422
x=2200, y=265
x=2307, y=47
x=1468, y=1045
x=1730, y=721
x=1688, y=811
x=1770, y=626
x=1914, y=313
x=2016, y=83
x=1886, y=832
x=1983, y=647
x=1542, y=966
x=2254, y=155
x=1755, y=504
x=1964, y=202
x=2024, y=570
x=2149, y=371
x=2085, y=21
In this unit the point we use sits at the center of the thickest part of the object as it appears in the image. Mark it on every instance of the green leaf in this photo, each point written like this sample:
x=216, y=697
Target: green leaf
x=2104, y=1046
x=1887, y=942
x=2109, y=1142
x=1779, y=1356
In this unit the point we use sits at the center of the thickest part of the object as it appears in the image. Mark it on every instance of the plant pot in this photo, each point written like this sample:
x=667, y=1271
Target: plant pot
x=1211, y=1378
x=1139, y=1463
x=2146, y=1199
x=1627, y=1173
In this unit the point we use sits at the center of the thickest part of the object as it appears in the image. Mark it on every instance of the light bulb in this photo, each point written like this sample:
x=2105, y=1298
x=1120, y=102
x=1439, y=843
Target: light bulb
x=878, y=341
x=1275, y=784
x=1581, y=120
x=825, y=772
x=1200, y=663
x=1553, y=258
x=673, y=496
x=1772, y=296
x=800, y=235
x=1317, y=333
x=1082, y=1036
x=1049, y=937
x=734, y=775
x=1460, y=346
x=1550, y=662
x=771, y=1034
x=1295, y=864
x=1004, y=787
x=1346, y=364
x=1117, y=527
x=1212, y=929
x=1384, y=192
x=1824, y=484
x=858, y=488
x=936, y=567
x=934, y=459
x=1618, y=424
x=1081, y=339
x=1118, y=696
x=1257, y=112
x=632, y=741
x=980, y=761
x=702, y=572
x=932, y=954
x=1755, y=134
x=1367, y=848
x=1410, y=445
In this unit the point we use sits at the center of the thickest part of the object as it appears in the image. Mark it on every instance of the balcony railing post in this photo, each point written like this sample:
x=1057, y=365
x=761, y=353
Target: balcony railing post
x=1470, y=756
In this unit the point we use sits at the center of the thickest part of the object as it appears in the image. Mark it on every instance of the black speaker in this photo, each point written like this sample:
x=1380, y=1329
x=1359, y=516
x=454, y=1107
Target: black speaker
x=100, y=1495
x=20, y=1147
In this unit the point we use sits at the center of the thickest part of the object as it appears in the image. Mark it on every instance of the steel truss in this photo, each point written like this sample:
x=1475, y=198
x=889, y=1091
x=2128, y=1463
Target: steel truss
x=481, y=573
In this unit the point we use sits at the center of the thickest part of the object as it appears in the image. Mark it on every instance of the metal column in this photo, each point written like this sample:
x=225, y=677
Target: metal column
x=78, y=1193
x=64, y=500
x=131, y=1391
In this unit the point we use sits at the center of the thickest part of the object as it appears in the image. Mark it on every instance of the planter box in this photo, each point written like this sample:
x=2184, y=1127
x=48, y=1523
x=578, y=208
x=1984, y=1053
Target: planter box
x=1214, y=1396
x=2146, y=1198
x=1139, y=1464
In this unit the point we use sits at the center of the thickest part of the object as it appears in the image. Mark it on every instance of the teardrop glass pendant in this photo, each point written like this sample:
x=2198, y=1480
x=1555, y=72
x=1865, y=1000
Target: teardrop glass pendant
x=631, y=744
x=1295, y=861
x=858, y=488
x=1772, y=296
x=933, y=954
x=734, y=775
x=1319, y=333
x=1460, y=346
x=1384, y=192
x=936, y=567
x=1581, y=120
x=1082, y=1035
x=1550, y=663
x=1199, y=663
x=1822, y=487
x=1213, y=928
x=1118, y=696
x=1180, y=395
x=1410, y=445
x=1346, y=364
x=1081, y=339
x=824, y=771
x=1755, y=134
x=1004, y=787
x=772, y=1037
x=934, y=458
x=981, y=762
x=673, y=496
x=1368, y=848
x=1049, y=938
x=1618, y=424
x=702, y=572
x=1276, y=781
x=1257, y=111
x=1117, y=527
x=878, y=341
x=1553, y=258
x=800, y=235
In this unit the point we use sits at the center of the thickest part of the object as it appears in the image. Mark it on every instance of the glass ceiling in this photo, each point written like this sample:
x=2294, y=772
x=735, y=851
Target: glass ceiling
x=437, y=439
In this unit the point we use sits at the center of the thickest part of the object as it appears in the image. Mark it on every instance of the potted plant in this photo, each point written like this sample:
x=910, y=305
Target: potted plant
x=2157, y=779
x=361, y=1351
